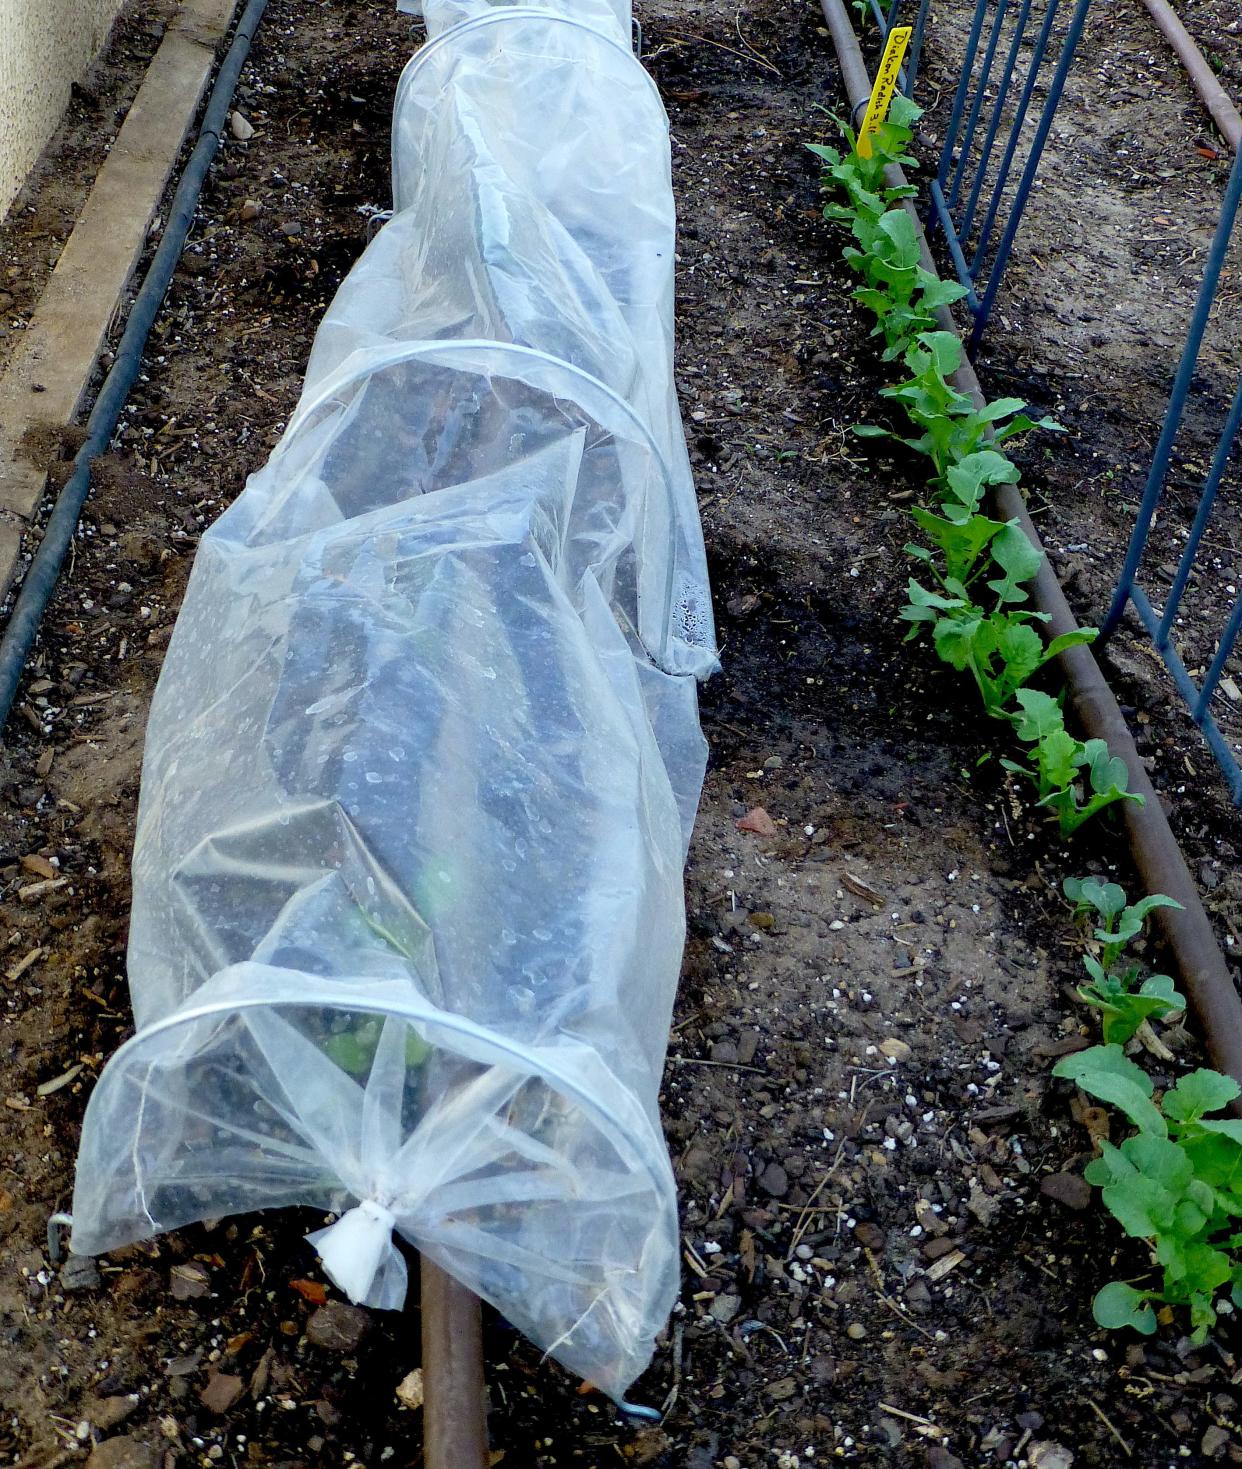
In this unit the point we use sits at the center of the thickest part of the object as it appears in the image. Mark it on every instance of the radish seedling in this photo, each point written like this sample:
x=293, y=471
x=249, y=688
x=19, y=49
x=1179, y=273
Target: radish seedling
x=1176, y=1183
x=1075, y=778
x=1124, y=1004
x=952, y=427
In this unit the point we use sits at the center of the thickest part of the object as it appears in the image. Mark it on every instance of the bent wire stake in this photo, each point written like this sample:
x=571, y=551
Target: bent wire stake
x=424, y=755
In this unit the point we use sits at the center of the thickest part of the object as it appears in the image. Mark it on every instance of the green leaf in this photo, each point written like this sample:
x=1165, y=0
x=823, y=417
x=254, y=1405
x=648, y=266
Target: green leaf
x=1000, y=408
x=1207, y=1267
x=1107, y=898
x=1020, y=650
x=1019, y=425
x=1018, y=559
x=1109, y=773
x=902, y=112
x=1040, y=716
x=954, y=639
x=1097, y=1173
x=966, y=480
x=903, y=232
x=945, y=351
x=1144, y=1209
x=1079, y=637
x=1058, y=756
x=871, y=431
x=920, y=597
x=1095, y=969
x=1121, y=1013
x=1226, y=1127
x=1144, y=906
x=1159, y=1160
x=1217, y=1159
x=941, y=293
x=1199, y=1092
x=1161, y=986
x=963, y=543
x=1103, y=1061
x=872, y=299
x=1106, y=1072
x=1119, y=1304
x=1189, y=1218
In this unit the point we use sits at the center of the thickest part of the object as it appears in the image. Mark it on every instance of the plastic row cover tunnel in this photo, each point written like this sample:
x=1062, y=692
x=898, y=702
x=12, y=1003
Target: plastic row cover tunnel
x=424, y=756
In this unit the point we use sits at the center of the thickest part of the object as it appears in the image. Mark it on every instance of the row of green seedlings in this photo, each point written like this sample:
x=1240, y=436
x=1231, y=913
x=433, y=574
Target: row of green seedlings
x=980, y=567
x=1177, y=1182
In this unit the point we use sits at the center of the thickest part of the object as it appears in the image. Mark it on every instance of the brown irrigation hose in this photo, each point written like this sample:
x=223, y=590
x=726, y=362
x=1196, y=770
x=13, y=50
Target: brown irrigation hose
x=1154, y=848
x=1213, y=95
x=454, y=1416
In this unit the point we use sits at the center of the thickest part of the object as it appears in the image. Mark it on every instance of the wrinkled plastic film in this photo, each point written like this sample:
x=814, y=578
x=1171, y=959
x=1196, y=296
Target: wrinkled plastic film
x=424, y=755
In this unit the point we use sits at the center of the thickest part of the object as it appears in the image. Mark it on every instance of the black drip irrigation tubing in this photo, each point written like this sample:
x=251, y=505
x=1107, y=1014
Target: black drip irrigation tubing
x=1157, y=856
x=41, y=577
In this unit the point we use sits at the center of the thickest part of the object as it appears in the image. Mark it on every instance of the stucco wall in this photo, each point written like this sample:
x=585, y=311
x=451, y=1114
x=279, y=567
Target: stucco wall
x=44, y=46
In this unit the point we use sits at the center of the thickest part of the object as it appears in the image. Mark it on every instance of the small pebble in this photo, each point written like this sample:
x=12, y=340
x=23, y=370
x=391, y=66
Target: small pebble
x=79, y=1272
x=337, y=1327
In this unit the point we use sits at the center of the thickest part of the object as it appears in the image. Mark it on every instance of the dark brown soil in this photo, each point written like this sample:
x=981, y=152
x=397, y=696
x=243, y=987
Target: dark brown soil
x=858, y=1094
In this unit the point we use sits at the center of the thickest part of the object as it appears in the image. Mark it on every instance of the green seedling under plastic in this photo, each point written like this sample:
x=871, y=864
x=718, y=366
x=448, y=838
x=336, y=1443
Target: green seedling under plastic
x=1115, y=990
x=353, y=1049
x=1176, y=1183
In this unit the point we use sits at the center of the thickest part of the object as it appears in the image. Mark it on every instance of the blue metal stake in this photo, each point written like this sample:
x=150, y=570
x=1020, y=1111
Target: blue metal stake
x=1193, y=697
x=945, y=219
x=1202, y=516
x=905, y=77
x=989, y=141
x=1068, y=47
x=1223, y=649
x=1177, y=399
x=959, y=98
x=1015, y=133
x=916, y=48
x=976, y=106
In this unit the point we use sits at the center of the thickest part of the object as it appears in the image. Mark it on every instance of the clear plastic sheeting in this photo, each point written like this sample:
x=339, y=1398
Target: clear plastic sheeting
x=424, y=755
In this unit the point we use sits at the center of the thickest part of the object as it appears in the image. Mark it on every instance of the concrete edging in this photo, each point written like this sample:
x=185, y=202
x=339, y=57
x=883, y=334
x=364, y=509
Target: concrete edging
x=48, y=377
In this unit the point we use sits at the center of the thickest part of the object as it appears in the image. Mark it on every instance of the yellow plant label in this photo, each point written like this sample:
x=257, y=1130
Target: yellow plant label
x=885, y=86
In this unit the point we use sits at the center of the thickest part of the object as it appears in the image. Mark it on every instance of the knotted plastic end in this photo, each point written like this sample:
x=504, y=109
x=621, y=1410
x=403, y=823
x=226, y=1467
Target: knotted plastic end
x=360, y=1258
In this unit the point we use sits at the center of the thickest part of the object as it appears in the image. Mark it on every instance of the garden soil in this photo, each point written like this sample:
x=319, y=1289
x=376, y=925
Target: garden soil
x=890, y=1251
